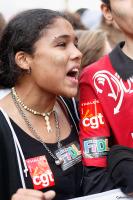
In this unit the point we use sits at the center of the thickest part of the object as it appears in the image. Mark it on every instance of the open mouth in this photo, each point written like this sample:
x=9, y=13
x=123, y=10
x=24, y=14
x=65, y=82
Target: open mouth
x=73, y=73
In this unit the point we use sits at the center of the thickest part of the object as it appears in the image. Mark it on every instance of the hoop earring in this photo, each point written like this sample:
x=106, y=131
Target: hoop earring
x=29, y=71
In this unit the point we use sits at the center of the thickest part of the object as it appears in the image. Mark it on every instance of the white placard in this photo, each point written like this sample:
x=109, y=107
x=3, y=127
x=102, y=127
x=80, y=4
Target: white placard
x=109, y=195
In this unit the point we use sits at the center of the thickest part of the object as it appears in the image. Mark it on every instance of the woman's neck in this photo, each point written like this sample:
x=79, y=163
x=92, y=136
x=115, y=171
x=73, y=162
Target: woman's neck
x=36, y=99
x=128, y=47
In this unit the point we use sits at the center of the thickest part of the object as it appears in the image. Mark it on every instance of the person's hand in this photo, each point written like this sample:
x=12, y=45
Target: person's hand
x=30, y=194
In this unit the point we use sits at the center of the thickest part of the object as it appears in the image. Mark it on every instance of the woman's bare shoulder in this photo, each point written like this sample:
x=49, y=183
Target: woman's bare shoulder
x=6, y=104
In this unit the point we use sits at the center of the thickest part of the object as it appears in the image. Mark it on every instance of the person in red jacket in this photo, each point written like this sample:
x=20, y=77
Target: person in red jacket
x=106, y=96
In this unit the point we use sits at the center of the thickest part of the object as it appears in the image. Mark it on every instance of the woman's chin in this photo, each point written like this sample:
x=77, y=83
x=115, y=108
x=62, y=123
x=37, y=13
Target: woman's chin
x=71, y=93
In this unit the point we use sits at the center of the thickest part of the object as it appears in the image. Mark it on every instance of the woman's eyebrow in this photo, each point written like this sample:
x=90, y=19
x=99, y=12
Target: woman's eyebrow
x=64, y=37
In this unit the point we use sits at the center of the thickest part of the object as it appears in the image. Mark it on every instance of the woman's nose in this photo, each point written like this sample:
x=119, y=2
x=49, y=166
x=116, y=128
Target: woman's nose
x=76, y=53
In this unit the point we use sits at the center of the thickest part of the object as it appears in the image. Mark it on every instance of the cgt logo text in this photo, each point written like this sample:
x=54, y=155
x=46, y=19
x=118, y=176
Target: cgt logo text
x=45, y=179
x=93, y=122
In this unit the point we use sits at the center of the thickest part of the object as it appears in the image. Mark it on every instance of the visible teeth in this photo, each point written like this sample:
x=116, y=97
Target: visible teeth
x=75, y=70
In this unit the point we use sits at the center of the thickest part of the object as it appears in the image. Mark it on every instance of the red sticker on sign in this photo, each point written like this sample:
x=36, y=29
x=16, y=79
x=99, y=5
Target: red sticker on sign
x=91, y=115
x=40, y=172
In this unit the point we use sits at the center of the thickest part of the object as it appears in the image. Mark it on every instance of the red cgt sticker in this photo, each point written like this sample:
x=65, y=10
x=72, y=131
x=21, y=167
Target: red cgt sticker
x=91, y=115
x=40, y=172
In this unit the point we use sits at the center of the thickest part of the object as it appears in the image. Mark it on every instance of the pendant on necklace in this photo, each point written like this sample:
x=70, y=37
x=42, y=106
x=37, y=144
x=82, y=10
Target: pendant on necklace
x=59, y=161
x=49, y=129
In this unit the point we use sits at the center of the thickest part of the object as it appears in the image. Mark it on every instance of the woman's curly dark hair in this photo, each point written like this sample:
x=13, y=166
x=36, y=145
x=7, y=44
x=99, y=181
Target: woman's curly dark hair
x=106, y=1
x=20, y=34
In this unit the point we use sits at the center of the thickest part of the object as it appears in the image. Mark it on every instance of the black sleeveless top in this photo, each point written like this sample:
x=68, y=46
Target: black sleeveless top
x=66, y=182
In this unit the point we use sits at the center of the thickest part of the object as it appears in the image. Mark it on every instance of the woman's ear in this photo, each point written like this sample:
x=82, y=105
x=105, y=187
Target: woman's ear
x=22, y=59
x=107, y=12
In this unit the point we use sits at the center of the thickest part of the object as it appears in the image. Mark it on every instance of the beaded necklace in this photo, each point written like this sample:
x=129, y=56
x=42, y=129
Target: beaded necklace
x=46, y=115
x=58, y=161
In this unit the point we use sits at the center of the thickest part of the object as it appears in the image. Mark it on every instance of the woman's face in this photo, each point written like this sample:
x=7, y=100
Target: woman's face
x=56, y=60
x=122, y=13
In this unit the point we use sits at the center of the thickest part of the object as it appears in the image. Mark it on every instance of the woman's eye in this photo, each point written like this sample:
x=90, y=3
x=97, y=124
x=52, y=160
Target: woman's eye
x=62, y=44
